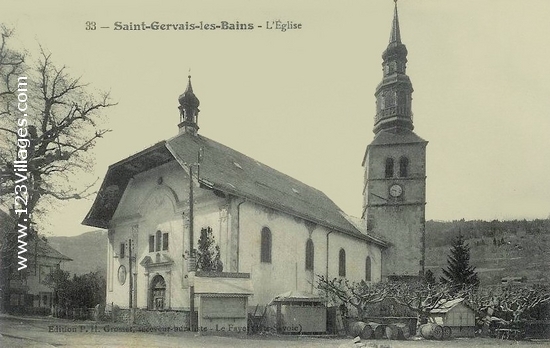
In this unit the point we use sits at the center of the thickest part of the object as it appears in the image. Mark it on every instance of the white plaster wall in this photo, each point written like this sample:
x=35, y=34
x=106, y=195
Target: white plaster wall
x=287, y=270
x=150, y=206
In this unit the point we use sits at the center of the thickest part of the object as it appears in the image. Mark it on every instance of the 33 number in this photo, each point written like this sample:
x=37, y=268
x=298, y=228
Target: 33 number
x=90, y=25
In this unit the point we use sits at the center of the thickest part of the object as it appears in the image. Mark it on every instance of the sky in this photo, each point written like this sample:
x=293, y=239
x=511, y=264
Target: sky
x=302, y=100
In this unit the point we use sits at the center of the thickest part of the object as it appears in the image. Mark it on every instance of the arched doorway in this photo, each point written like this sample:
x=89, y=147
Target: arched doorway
x=157, y=297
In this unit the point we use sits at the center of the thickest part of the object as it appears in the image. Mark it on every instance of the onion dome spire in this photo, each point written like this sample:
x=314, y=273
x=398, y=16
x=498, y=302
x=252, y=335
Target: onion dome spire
x=189, y=110
x=394, y=93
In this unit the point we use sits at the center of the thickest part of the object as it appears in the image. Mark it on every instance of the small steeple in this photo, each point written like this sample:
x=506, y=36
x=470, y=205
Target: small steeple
x=189, y=110
x=395, y=35
x=394, y=93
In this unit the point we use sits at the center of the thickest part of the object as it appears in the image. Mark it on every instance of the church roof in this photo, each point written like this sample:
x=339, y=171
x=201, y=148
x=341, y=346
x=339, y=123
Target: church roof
x=230, y=171
x=227, y=170
x=389, y=137
x=393, y=137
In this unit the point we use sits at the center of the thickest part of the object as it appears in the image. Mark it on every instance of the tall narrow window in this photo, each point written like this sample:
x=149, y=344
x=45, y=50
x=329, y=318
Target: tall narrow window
x=403, y=167
x=158, y=241
x=265, y=253
x=368, y=275
x=151, y=243
x=122, y=250
x=342, y=263
x=389, y=167
x=165, y=241
x=309, y=255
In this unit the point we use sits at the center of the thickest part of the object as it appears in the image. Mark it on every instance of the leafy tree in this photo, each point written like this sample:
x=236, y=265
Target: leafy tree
x=53, y=130
x=459, y=272
x=352, y=294
x=59, y=281
x=208, y=253
x=80, y=291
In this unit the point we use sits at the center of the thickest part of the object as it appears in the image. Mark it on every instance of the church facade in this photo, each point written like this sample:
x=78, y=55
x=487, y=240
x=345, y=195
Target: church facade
x=275, y=234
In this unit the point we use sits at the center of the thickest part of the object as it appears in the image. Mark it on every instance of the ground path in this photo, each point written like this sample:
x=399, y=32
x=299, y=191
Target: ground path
x=26, y=332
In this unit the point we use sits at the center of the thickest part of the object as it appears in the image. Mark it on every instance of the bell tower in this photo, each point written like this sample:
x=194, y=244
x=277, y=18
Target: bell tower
x=189, y=110
x=394, y=192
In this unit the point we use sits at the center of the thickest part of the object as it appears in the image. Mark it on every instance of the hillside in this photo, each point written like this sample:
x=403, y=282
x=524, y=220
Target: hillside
x=88, y=251
x=499, y=249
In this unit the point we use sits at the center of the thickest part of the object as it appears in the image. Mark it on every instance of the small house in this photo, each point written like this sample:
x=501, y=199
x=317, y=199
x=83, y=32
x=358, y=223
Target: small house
x=456, y=315
x=29, y=290
x=295, y=312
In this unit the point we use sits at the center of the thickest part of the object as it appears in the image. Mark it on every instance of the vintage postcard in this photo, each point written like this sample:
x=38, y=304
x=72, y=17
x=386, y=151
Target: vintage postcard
x=236, y=173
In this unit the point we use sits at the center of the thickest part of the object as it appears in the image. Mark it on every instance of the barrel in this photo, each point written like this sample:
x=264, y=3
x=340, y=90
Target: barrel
x=447, y=332
x=392, y=332
x=379, y=330
x=398, y=331
x=360, y=329
x=431, y=331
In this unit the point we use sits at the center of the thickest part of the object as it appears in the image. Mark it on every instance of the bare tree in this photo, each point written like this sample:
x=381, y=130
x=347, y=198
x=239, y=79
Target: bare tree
x=357, y=295
x=11, y=66
x=518, y=299
x=422, y=297
x=49, y=122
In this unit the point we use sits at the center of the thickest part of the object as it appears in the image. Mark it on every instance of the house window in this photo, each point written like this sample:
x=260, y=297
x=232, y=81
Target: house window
x=265, y=252
x=165, y=241
x=309, y=255
x=389, y=167
x=151, y=243
x=122, y=250
x=403, y=167
x=368, y=274
x=45, y=271
x=158, y=241
x=342, y=263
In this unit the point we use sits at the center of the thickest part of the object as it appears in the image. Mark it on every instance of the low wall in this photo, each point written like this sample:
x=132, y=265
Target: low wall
x=155, y=318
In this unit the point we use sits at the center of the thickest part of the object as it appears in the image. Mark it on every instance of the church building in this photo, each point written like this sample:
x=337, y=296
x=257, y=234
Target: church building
x=275, y=234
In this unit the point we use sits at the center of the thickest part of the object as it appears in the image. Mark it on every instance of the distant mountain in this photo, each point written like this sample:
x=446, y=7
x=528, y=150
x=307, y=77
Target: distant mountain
x=518, y=248
x=499, y=249
x=88, y=251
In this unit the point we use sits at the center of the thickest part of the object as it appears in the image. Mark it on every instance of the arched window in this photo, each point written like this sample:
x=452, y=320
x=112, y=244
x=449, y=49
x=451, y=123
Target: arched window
x=368, y=275
x=389, y=167
x=309, y=255
x=159, y=236
x=403, y=167
x=265, y=252
x=342, y=263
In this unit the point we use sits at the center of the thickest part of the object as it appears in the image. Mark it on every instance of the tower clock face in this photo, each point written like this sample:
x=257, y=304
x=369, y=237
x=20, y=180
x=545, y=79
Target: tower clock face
x=396, y=190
